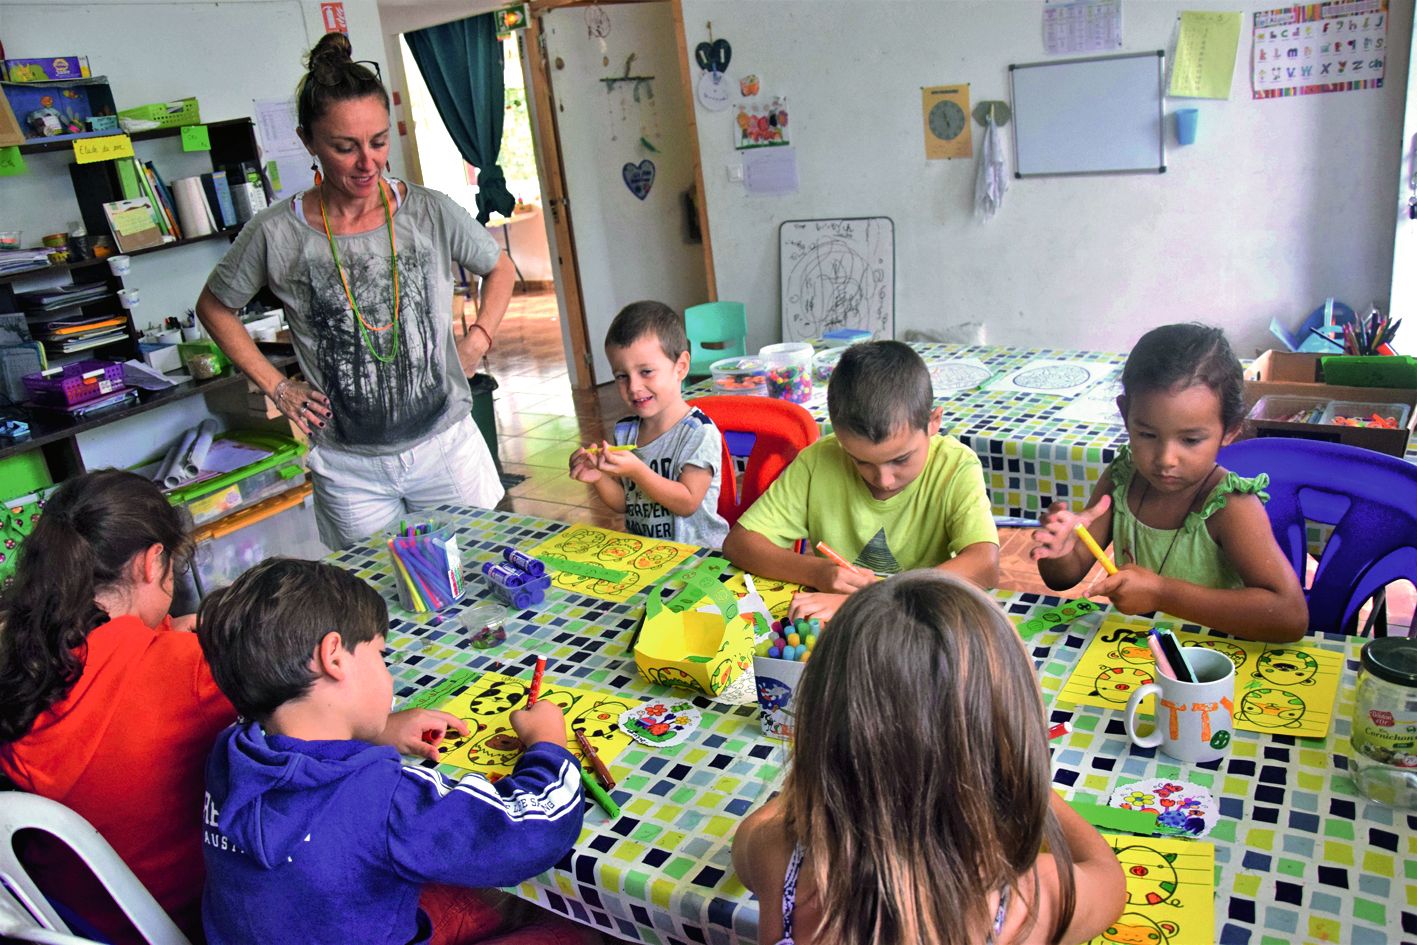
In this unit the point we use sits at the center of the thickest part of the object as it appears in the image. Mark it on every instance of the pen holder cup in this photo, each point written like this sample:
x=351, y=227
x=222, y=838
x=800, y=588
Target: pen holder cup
x=1194, y=721
x=777, y=685
x=427, y=570
x=1186, y=121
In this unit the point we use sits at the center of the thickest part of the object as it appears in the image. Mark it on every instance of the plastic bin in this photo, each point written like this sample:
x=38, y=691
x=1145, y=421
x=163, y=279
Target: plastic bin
x=1286, y=409
x=1363, y=412
x=740, y=376
x=1353, y=370
x=789, y=371
x=283, y=525
x=846, y=336
x=824, y=363
x=74, y=384
x=211, y=499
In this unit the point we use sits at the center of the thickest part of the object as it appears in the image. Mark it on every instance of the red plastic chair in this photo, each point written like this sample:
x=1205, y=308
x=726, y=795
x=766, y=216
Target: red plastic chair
x=779, y=429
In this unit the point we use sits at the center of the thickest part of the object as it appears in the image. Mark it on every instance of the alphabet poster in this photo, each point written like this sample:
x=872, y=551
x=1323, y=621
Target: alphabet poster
x=605, y=564
x=1170, y=891
x=492, y=748
x=1281, y=689
x=1307, y=49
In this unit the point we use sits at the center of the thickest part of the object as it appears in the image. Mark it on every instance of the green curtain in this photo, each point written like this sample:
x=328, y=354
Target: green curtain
x=462, y=64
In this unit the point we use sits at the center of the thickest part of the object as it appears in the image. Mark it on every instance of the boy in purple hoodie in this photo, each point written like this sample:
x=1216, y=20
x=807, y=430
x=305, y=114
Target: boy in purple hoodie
x=313, y=832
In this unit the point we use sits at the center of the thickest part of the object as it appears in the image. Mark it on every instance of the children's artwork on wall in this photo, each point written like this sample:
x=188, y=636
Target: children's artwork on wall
x=1058, y=378
x=713, y=88
x=837, y=274
x=1279, y=689
x=958, y=374
x=761, y=126
x=1308, y=49
x=749, y=85
x=1179, y=806
x=639, y=177
x=492, y=747
x=660, y=723
x=606, y=564
x=1170, y=892
x=629, y=99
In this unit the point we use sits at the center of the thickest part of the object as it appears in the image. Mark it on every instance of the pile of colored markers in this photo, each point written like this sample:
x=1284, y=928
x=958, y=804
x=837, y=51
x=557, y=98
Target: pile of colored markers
x=791, y=641
x=519, y=579
x=429, y=567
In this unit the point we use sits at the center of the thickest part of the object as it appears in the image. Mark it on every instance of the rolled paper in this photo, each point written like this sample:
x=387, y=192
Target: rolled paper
x=192, y=463
x=176, y=475
x=192, y=213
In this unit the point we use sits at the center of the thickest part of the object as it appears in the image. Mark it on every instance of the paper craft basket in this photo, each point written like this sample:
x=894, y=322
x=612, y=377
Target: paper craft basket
x=679, y=645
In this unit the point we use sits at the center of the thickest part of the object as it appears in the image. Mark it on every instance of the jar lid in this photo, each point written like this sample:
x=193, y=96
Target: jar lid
x=1392, y=659
x=739, y=365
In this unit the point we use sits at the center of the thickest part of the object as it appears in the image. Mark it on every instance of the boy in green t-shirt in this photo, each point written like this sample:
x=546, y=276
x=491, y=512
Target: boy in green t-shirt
x=883, y=491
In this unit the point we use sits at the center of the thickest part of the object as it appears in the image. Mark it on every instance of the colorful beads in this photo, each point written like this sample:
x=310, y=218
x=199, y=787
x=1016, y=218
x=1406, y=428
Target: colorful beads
x=790, y=640
x=790, y=382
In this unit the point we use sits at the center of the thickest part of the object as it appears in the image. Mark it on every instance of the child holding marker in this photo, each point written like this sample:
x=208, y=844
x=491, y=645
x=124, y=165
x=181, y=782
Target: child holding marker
x=1190, y=538
x=317, y=833
x=885, y=492
x=919, y=807
x=662, y=470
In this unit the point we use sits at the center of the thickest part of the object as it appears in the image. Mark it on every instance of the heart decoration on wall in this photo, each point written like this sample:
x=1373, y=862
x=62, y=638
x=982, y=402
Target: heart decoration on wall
x=639, y=177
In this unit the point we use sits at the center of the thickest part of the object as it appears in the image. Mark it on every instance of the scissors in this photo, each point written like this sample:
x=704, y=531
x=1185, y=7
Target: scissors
x=714, y=56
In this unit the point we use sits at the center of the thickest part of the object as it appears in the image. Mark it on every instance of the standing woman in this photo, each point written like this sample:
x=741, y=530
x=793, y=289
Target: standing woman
x=363, y=265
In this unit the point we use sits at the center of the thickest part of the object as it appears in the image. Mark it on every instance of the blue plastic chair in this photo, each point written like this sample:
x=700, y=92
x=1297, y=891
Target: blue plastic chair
x=716, y=330
x=1370, y=500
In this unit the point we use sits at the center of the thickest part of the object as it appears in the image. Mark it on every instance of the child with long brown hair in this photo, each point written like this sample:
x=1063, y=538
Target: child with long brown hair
x=919, y=807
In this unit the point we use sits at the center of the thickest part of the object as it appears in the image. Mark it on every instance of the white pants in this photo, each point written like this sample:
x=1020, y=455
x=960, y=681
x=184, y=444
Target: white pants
x=358, y=495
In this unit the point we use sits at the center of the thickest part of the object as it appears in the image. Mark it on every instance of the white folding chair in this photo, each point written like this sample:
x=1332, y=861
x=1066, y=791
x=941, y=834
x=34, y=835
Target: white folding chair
x=25, y=913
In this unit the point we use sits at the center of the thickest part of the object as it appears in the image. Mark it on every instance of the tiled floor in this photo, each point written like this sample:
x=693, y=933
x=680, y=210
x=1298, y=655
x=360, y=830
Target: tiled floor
x=541, y=420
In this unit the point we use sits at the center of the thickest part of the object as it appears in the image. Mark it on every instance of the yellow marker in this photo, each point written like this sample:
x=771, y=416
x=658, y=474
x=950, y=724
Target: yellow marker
x=617, y=449
x=1095, y=548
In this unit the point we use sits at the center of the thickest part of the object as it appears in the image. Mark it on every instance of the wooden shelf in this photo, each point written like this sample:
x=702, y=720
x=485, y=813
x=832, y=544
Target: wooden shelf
x=46, y=146
x=87, y=263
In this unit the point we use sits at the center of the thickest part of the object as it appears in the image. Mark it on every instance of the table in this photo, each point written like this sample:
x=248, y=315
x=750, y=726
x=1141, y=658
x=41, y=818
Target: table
x=1031, y=456
x=1300, y=856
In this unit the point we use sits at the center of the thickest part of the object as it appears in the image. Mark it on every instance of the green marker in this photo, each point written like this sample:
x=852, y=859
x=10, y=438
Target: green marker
x=604, y=800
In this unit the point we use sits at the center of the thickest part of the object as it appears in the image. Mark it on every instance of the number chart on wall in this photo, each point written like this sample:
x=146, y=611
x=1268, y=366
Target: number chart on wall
x=837, y=274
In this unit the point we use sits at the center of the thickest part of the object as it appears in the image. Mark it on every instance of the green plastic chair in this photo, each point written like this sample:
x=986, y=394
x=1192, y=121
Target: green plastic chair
x=716, y=330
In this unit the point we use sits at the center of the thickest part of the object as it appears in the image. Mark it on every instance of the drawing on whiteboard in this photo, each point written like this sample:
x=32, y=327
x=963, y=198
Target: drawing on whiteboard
x=837, y=274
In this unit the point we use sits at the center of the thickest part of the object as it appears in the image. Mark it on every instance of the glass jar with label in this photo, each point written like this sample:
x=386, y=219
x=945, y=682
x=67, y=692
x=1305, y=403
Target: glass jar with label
x=1383, y=762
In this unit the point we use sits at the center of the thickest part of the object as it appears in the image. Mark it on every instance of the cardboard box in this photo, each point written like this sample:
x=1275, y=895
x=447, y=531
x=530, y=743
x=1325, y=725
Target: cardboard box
x=183, y=111
x=11, y=134
x=1347, y=370
x=1392, y=442
x=42, y=107
x=44, y=70
x=1287, y=367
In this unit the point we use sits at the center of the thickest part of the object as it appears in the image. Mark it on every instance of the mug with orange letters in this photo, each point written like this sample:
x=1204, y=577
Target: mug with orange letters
x=1194, y=720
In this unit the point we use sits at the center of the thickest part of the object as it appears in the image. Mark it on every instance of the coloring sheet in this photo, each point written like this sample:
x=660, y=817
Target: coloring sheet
x=1281, y=689
x=1170, y=892
x=492, y=748
x=1097, y=404
x=1055, y=617
x=958, y=374
x=1176, y=805
x=1057, y=378
x=776, y=594
x=605, y=564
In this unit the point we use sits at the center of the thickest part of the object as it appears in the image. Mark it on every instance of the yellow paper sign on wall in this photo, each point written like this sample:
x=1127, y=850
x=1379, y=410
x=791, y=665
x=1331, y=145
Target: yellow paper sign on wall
x=92, y=150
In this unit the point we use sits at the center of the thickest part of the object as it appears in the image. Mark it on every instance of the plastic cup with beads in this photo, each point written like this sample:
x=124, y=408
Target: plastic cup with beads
x=486, y=623
x=789, y=371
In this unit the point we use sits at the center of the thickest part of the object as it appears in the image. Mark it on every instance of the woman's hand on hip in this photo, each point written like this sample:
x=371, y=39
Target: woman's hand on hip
x=472, y=346
x=306, y=407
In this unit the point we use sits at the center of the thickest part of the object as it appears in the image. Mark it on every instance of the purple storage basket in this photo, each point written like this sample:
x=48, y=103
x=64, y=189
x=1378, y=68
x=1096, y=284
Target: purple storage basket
x=75, y=384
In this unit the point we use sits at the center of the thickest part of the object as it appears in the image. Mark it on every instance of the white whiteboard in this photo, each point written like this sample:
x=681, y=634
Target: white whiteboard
x=1097, y=115
x=837, y=274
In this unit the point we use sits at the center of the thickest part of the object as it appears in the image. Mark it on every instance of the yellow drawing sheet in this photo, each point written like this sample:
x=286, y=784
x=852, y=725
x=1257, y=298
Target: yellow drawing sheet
x=1170, y=891
x=776, y=594
x=492, y=748
x=1282, y=689
x=640, y=561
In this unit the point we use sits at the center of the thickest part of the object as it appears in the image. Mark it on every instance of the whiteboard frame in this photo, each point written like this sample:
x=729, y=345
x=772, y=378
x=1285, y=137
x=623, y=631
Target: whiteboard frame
x=1159, y=55
x=782, y=268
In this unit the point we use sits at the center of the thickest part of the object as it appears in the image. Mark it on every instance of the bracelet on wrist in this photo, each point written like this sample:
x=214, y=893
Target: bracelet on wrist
x=485, y=333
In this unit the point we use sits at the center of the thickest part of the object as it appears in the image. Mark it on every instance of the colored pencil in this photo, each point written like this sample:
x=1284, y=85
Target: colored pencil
x=1094, y=547
x=602, y=773
x=598, y=794
x=535, y=691
x=1163, y=665
x=835, y=558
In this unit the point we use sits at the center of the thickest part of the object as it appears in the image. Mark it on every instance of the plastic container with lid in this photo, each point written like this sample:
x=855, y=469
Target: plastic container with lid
x=1288, y=409
x=824, y=363
x=1383, y=735
x=1366, y=414
x=846, y=336
x=789, y=368
x=740, y=375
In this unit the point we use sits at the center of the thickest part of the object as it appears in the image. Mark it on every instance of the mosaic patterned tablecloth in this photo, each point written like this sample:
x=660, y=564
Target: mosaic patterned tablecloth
x=1032, y=457
x=1300, y=856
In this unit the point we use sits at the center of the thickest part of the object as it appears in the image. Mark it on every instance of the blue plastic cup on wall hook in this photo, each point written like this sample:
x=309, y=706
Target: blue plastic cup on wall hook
x=1186, y=120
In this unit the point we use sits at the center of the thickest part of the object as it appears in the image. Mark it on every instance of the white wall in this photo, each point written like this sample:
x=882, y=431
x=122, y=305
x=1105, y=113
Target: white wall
x=626, y=249
x=1404, y=253
x=226, y=54
x=1279, y=203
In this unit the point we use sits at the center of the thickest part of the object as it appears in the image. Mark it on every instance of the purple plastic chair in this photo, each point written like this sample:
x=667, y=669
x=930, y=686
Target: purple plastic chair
x=1369, y=498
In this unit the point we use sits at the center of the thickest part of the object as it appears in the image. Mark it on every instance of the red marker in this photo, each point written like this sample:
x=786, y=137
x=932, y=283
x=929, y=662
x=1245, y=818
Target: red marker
x=536, y=682
x=1059, y=730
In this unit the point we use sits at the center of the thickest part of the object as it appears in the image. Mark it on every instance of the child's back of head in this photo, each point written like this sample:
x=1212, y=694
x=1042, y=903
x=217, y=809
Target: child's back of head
x=260, y=633
x=1175, y=357
x=920, y=778
x=878, y=389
